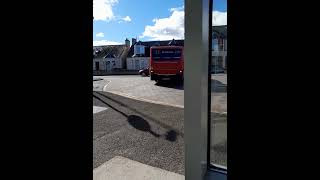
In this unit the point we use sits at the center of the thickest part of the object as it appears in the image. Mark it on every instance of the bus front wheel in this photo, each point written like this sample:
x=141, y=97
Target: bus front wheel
x=153, y=77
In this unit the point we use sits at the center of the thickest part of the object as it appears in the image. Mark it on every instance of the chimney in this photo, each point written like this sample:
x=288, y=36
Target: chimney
x=172, y=43
x=133, y=41
x=127, y=42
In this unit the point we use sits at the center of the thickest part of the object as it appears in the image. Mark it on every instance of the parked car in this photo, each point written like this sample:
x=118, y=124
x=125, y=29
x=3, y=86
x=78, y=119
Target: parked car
x=217, y=69
x=144, y=72
x=97, y=79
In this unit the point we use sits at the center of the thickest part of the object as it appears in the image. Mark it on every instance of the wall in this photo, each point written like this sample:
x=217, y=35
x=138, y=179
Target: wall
x=216, y=52
x=94, y=64
x=143, y=62
x=103, y=63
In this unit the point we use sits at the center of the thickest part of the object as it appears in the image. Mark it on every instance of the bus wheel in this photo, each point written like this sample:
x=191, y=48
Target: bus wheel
x=180, y=78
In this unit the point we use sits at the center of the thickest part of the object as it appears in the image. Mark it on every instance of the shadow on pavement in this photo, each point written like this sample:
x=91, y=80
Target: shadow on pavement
x=138, y=122
x=170, y=84
x=217, y=86
x=171, y=135
x=110, y=105
x=141, y=124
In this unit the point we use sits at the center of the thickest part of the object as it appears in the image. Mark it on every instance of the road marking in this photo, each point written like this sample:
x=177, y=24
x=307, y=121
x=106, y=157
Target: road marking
x=104, y=87
x=97, y=109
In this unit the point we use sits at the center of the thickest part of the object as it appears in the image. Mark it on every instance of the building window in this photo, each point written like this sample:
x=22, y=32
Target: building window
x=97, y=66
x=215, y=45
x=107, y=65
x=220, y=61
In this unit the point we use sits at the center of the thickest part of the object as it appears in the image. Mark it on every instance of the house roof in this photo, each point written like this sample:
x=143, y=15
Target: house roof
x=220, y=31
x=109, y=51
x=148, y=44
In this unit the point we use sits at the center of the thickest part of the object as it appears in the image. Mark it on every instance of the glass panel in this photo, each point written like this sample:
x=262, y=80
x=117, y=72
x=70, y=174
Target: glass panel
x=218, y=146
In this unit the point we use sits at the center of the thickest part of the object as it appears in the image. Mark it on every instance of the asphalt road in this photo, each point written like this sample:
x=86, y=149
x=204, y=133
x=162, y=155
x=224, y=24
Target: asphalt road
x=165, y=92
x=148, y=133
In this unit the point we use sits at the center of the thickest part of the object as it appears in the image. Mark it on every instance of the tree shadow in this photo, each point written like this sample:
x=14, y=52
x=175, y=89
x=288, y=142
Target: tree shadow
x=117, y=101
x=171, y=135
x=141, y=124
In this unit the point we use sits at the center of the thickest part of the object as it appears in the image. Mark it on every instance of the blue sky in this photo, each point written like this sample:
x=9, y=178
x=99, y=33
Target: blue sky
x=115, y=20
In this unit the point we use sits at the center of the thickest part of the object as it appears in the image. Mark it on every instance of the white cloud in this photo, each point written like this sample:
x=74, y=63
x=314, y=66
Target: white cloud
x=105, y=42
x=100, y=34
x=176, y=9
x=173, y=26
x=166, y=28
x=127, y=19
x=219, y=18
x=102, y=9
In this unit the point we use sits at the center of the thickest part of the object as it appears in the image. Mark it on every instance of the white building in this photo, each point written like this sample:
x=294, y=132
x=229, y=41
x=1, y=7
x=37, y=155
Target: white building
x=109, y=58
x=219, y=46
x=139, y=59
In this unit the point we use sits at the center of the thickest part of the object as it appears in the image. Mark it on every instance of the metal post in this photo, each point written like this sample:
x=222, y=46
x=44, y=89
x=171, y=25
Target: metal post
x=196, y=50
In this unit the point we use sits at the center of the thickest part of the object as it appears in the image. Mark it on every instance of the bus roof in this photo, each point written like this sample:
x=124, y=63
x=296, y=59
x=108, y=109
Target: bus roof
x=166, y=47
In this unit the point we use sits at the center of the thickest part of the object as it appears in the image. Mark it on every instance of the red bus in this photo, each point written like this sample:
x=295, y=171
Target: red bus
x=166, y=62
